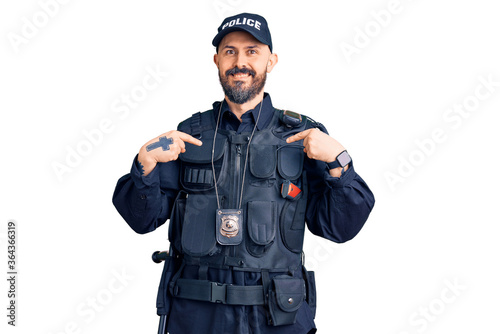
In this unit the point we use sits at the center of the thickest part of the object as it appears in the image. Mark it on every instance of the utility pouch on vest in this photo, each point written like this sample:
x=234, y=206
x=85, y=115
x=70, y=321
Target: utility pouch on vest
x=263, y=160
x=290, y=161
x=196, y=164
x=198, y=230
x=261, y=226
x=285, y=298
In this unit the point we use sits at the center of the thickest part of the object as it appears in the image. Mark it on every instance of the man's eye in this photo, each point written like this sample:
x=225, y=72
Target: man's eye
x=252, y=52
x=230, y=52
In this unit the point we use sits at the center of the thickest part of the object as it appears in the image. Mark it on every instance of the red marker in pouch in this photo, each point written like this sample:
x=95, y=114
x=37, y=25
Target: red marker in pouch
x=289, y=190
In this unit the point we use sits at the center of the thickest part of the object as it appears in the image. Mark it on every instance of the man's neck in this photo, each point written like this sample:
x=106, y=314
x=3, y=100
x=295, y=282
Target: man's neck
x=240, y=109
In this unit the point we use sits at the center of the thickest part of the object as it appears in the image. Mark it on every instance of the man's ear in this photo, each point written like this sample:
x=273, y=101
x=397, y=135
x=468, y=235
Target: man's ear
x=216, y=60
x=272, y=61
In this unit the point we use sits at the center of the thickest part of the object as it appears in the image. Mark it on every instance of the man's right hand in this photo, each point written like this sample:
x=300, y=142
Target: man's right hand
x=164, y=148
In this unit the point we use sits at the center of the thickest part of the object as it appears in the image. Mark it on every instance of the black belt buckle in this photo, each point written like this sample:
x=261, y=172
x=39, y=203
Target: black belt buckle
x=218, y=294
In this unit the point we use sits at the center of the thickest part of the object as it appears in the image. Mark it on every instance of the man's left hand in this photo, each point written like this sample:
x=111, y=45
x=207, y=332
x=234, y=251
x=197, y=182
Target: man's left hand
x=320, y=146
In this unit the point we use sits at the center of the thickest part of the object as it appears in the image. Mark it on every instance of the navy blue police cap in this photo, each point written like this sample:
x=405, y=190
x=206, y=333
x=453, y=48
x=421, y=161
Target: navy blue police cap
x=254, y=24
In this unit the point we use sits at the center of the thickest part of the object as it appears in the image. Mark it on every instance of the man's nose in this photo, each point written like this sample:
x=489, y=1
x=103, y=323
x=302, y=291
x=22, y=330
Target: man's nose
x=241, y=60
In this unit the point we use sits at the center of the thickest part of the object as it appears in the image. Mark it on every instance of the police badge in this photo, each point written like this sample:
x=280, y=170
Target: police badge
x=228, y=227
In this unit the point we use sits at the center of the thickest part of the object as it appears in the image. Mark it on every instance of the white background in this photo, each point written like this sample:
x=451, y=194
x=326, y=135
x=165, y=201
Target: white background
x=437, y=226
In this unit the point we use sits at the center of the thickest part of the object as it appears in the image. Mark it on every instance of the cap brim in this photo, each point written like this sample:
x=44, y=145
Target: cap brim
x=216, y=41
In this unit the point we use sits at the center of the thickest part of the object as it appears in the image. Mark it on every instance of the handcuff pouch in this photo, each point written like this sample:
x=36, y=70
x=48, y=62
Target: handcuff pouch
x=285, y=298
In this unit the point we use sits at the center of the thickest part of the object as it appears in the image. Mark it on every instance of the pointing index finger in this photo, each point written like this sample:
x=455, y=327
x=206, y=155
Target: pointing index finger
x=189, y=139
x=298, y=136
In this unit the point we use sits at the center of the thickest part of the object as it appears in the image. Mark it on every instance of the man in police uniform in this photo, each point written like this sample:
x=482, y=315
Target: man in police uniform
x=238, y=183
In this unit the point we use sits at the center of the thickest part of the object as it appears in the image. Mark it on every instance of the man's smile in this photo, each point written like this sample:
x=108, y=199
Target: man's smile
x=241, y=76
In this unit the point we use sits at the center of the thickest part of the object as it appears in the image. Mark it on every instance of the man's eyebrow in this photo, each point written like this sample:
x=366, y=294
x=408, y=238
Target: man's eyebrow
x=247, y=47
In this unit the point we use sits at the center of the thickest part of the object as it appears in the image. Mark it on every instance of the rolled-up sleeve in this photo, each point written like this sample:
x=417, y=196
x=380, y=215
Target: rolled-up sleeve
x=338, y=207
x=145, y=202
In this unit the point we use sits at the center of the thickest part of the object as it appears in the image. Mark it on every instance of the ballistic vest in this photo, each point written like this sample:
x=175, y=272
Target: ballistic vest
x=269, y=233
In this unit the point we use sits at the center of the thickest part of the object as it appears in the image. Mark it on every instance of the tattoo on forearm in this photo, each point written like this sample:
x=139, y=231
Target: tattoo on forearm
x=163, y=142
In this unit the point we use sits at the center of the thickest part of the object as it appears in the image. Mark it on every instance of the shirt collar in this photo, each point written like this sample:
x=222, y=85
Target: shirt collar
x=265, y=116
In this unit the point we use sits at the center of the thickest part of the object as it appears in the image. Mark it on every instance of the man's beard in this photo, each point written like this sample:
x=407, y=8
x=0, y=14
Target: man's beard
x=238, y=93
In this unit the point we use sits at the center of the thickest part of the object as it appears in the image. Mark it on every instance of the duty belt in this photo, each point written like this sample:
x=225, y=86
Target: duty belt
x=215, y=292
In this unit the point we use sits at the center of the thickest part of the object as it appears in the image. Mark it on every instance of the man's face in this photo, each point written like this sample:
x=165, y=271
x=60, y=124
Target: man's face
x=243, y=63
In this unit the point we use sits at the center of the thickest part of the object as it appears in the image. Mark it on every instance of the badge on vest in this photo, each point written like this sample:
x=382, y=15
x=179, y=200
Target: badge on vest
x=228, y=227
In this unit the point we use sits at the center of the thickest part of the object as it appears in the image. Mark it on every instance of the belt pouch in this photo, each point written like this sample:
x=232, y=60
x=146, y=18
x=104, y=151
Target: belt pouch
x=285, y=298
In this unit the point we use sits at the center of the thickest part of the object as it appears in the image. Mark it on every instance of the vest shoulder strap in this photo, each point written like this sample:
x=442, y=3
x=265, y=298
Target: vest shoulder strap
x=198, y=123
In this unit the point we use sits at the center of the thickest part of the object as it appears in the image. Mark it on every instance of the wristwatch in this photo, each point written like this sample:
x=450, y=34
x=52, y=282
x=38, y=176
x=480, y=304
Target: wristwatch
x=342, y=160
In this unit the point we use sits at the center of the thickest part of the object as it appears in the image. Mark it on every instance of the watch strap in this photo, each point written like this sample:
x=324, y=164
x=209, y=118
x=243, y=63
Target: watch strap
x=333, y=164
x=344, y=161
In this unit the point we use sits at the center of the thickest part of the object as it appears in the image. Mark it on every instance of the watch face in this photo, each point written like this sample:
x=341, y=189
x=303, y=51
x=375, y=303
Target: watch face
x=344, y=158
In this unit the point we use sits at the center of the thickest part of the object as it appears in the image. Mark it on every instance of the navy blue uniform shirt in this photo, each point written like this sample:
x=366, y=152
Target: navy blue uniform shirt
x=337, y=210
